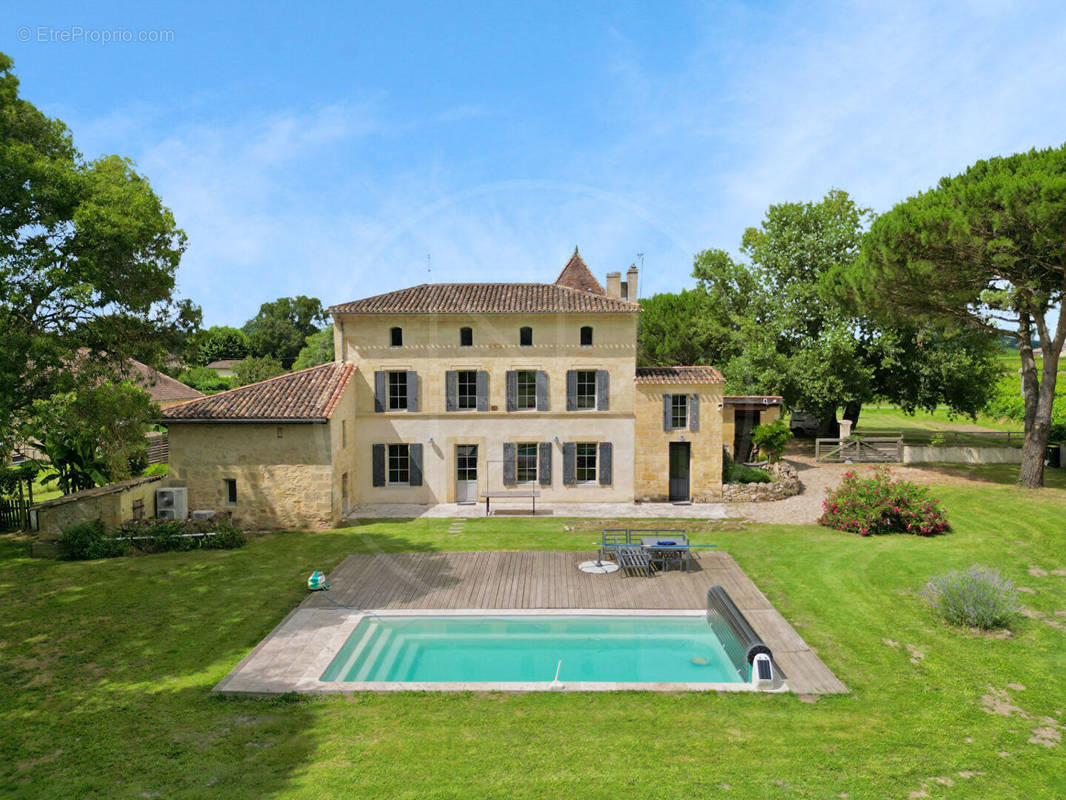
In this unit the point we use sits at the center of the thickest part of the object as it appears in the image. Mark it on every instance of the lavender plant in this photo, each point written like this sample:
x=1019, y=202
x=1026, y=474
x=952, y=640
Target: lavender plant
x=978, y=597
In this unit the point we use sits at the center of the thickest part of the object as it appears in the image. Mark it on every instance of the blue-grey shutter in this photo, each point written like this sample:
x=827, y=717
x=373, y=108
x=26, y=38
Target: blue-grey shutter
x=544, y=472
x=451, y=390
x=414, y=458
x=694, y=413
x=378, y=464
x=606, y=472
x=542, y=390
x=379, y=391
x=603, y=390
x=569, y=463
x=509, y=478
x=512, y=390
x=412, y=391
x=667, y=421
x=571, y=390
x=482, y=390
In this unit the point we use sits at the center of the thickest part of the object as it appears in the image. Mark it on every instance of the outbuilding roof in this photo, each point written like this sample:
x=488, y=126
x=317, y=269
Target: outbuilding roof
x=693, y=374
x=310, y=395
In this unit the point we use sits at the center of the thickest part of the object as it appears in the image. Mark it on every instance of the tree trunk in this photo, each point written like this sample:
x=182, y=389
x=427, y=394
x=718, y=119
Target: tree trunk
x=828, y=428
x=1030, y=384
x=851, y=411
x=1031, y=474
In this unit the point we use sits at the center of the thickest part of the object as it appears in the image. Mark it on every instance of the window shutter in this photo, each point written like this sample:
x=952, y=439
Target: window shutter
x=542, y=390
x=414, y=455
x=379, y=391
x=571, y=390
x=569, y=463
x=412, y=391
x=694, y=413
x=606, y=472
x=512, y=390
x=544, y=471
x=378, y=462
x=451, y=390
x=509, y=478
x=482, y=390
x=666, y=413
x=603, y=390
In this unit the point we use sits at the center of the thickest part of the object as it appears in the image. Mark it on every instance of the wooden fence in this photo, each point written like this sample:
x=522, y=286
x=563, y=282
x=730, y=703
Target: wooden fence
x=879, y=449
x=14, y=514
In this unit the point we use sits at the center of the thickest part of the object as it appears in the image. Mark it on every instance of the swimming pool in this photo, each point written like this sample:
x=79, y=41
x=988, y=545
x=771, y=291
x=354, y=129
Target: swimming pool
x=540, y=648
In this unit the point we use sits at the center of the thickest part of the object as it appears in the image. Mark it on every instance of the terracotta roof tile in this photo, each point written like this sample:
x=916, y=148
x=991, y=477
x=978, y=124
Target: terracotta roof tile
x=697, y=374
x=161, y=387
x=484, y=298
x=310, y=394
x=576, y=275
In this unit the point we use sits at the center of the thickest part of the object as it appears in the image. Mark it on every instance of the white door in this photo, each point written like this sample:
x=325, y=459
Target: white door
x=466, y=473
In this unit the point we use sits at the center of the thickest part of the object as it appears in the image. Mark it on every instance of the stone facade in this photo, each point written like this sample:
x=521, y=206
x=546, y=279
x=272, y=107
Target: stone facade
x=284, y=472
x=112, y=504
x=652, y=457
x=431, y=347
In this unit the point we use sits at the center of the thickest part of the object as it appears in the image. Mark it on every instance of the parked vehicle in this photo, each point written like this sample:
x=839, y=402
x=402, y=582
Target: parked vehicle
x=803, y=423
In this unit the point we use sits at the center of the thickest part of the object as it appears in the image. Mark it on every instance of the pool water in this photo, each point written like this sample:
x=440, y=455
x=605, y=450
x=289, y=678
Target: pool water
x=672, y=649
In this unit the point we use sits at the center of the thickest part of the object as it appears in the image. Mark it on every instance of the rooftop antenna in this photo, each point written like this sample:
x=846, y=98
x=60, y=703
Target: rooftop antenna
x=428, y=270
x=641, y=257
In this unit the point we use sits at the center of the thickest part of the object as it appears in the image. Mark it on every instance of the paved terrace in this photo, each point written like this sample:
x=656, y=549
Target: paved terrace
x=514, y=507
x=300, y=648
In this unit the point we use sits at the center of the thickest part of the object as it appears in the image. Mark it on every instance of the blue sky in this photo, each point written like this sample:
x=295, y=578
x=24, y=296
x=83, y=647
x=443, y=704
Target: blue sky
x=328, y=151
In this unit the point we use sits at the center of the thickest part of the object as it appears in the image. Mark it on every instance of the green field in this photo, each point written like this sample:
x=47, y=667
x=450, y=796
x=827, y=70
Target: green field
x=106, y=669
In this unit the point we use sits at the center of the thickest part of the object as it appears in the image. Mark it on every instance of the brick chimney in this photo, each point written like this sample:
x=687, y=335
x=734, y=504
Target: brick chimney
x=614, y=285
x=629, y=291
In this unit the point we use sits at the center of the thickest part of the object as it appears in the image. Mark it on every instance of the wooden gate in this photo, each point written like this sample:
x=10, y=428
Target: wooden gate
x=14, y=514
x=880, y=449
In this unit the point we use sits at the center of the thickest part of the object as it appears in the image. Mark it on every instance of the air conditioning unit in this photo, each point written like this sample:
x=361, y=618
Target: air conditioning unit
x=172, y=503
x=204, y=513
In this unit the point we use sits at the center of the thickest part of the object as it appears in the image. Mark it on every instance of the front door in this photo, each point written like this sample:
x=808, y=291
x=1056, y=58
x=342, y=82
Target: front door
x=466, y=473
x=679, y=471
x=745, y=421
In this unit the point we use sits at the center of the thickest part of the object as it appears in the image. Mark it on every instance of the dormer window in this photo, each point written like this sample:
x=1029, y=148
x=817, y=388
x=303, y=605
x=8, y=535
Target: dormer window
x=396, y=337
x=586, y=336
x=525, y=337
x=466, y=337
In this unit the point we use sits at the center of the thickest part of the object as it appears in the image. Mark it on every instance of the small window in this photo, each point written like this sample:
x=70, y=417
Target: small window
x=467, y=380
x=586, y=389
x=679, y=411
x=231, y=491
x=396, y=337
x=525, y=337
x=586, y=462
x=397, y=391
x=344, y=433
x=399, y=464
x=586, y=336
x=527, y=389
x=138, y=509
x=281, y=432
x=466, y=337
x=526, y=463
x=344, y=492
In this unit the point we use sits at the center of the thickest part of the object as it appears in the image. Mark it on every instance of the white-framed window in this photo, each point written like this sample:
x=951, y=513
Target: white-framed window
x=586, y=389
x=526, y=463
x=467, y=383
x=399, y=464
x=679, y=411
x=586, y=462
x=527, y=390
x=397, y=391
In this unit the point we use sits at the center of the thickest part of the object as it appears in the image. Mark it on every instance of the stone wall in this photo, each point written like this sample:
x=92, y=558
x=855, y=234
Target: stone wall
x=112, y=504
x=786, y=484
x=652, y=457
x=284, y=473
x=961, y=455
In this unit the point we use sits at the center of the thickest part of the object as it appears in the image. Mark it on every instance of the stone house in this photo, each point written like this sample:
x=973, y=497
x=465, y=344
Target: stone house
x=441, y=392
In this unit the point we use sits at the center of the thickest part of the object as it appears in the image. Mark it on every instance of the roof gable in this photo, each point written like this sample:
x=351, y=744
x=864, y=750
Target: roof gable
x=308, y=395
x=577, y=275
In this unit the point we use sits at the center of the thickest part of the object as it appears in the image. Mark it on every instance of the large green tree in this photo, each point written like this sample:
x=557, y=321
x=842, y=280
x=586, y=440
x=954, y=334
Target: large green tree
x=984, y=250
x=215, y=344
x=282, y=326
x=774, y=327
x=318, y=350
x=88, y=255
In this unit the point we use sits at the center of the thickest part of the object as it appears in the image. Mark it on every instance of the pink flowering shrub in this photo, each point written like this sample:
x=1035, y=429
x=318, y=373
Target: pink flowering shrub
x=877, y=504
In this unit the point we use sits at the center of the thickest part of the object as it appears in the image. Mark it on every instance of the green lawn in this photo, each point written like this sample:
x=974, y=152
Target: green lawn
x=106, y=668
x=922, y=426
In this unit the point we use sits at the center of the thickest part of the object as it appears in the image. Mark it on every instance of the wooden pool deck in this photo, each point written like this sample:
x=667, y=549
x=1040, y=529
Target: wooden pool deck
x=551, y=580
